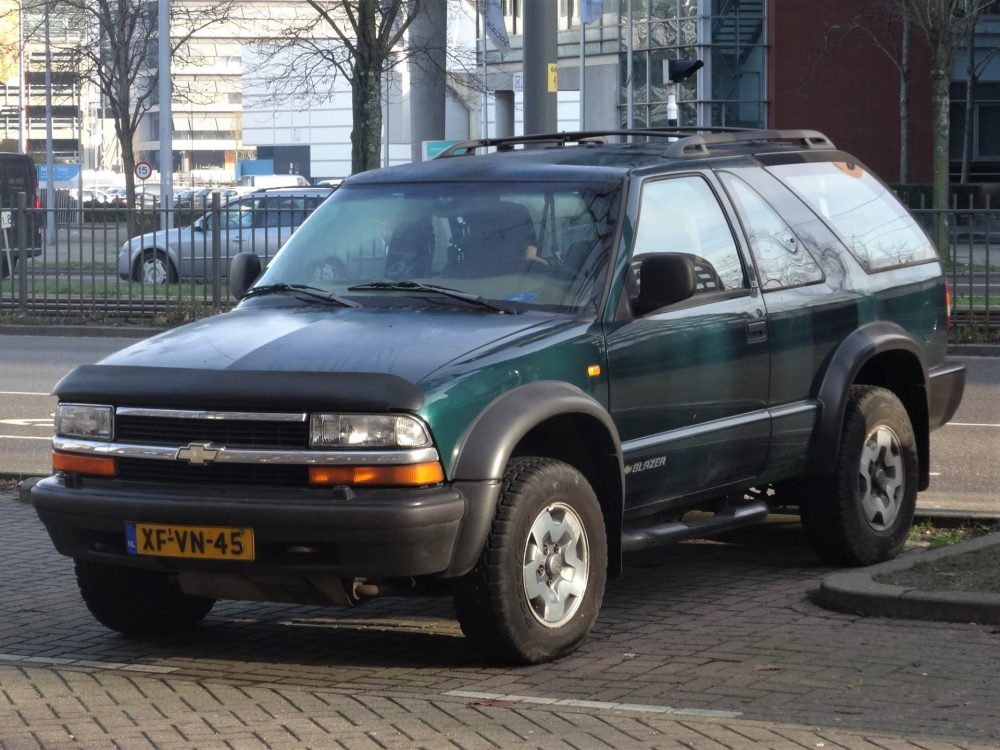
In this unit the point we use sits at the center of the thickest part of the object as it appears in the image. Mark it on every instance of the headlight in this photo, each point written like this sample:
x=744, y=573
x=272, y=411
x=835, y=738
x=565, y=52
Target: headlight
x=84, y=421
x=367, y=431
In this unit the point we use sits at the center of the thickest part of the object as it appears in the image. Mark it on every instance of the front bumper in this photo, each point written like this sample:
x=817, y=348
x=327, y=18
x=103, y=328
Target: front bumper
x=342, y=532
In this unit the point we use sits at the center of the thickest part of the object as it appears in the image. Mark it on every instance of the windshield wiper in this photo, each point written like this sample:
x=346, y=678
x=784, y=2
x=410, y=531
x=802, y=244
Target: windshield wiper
x=416, y=286
x=301, y=289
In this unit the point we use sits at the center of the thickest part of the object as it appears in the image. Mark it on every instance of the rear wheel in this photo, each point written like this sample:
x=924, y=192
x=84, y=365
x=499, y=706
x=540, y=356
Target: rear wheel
x=862, y=513
x=538, y=586
x=153, y=267
x=138, y=602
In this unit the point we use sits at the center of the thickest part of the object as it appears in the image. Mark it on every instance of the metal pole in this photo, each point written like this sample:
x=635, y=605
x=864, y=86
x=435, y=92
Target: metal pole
x=50, y=187
x=583, y=108
x=22, y=105
x=166, y=113
x=388, y=72
x=79, y=141
x=628, y=71
x=541, y=29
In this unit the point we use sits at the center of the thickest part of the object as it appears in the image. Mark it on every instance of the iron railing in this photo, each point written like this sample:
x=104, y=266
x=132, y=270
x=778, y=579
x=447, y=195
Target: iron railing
x=76, y=274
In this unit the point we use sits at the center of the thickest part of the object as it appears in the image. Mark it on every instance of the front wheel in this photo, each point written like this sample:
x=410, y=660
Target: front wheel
x=153, y=267
x=862, y=513
x=138, y=602
x=538, y=586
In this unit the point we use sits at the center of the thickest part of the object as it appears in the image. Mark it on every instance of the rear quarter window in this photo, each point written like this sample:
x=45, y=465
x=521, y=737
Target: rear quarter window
x=860, y=209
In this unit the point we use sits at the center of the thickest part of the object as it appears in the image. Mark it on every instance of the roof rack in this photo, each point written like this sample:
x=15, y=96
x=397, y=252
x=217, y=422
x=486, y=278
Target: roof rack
x=686, y=141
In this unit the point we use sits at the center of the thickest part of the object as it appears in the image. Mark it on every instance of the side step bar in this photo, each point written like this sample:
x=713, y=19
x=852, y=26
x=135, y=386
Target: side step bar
x=676, y=531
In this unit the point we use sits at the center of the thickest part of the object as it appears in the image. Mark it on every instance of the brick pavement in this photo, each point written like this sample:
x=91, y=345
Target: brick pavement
x=698, y=645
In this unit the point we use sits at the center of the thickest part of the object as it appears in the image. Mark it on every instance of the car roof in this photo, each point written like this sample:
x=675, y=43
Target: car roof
x=297, y=190
x=588, y=156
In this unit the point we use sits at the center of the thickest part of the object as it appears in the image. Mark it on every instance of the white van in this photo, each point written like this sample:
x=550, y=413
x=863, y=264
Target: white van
x=273, y=180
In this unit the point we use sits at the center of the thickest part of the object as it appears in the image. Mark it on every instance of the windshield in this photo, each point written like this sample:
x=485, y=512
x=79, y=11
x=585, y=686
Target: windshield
x=531, y=245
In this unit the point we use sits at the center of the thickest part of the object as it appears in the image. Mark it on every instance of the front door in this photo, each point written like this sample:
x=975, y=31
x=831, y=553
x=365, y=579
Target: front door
x=689, y=382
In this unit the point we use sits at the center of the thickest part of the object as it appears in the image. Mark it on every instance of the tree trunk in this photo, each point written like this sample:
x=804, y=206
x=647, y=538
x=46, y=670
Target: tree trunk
x=366, y=92
x=904, y=101
x=366, y=105
x=128, y=167
x=970, y=89
x=940, y=69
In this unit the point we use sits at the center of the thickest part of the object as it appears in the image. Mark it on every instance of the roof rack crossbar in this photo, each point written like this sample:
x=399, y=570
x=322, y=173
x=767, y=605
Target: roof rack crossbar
x=687, y=141
x=700, y=145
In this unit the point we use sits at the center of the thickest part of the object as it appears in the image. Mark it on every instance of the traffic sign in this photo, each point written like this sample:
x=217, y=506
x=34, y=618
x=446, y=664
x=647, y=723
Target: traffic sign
x=143, y=170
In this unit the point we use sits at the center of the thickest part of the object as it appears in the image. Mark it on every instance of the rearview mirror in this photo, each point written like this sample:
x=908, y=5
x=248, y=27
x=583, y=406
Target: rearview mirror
x=243, y=271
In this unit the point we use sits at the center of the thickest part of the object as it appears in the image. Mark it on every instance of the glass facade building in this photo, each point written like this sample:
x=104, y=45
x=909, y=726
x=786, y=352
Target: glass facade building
x=729, y=36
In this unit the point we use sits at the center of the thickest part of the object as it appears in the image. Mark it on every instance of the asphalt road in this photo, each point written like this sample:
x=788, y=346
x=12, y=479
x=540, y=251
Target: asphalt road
x=965, y=455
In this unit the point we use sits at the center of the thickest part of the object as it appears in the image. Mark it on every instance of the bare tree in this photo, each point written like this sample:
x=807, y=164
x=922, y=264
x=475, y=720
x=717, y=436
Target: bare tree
x=358, y=39
x=945, y=26
x=887, y=24
x=973, y=70
x=117, y=54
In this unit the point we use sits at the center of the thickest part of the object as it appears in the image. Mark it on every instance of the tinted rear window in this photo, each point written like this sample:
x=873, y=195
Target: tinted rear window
x=876, y=228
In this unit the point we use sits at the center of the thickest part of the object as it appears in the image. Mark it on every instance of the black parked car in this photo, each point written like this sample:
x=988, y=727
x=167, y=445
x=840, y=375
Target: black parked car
x=18, y=175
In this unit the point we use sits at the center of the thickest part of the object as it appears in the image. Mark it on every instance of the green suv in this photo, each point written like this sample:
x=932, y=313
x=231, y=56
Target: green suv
x=493, y=374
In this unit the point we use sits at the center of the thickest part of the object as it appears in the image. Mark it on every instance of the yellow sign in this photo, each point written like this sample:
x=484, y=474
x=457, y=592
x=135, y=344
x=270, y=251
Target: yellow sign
x=553, y=78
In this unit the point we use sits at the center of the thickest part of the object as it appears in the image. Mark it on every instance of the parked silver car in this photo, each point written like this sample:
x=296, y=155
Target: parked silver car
x=258, y=222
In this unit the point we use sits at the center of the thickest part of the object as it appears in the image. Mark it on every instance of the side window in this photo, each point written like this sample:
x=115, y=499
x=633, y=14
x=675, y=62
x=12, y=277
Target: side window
x=780, y=256
x=237, y=215
x=876, y=228
x=682, y=215
x=274, y=211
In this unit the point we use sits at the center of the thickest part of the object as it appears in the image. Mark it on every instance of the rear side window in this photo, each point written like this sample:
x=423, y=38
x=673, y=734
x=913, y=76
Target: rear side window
x=876, y=228
x=781, y=258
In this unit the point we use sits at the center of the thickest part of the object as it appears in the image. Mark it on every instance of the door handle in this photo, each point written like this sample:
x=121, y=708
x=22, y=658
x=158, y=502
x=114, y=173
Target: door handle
x=756, y=331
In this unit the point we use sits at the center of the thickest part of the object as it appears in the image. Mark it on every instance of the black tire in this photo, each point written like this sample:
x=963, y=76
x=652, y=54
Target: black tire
x=138, y=602
x=537, y=496
x=144, y=265
x=862, y=513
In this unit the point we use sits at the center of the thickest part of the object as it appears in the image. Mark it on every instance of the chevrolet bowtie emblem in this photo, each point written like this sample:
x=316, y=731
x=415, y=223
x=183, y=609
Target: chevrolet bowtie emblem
x=197, y=453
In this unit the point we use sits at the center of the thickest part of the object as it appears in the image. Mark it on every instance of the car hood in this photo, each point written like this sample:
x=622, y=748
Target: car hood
x=408, y=343
x=163, y=237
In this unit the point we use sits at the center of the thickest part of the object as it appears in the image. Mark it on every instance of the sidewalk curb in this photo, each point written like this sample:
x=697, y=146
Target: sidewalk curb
x=974, y=350
x=857, y=591
x=92, y=331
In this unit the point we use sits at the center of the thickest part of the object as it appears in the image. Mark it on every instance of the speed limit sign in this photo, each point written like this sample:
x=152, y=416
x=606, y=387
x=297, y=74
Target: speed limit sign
x=143, y=170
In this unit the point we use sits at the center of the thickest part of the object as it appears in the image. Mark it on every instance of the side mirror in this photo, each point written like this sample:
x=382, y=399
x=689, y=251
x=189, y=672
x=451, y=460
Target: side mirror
x=243, y=271
x=664, y=279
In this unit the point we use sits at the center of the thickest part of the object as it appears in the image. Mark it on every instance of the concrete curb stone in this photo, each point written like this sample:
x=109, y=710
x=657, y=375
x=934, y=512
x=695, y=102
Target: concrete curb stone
x=857, y=591
x=94, y=331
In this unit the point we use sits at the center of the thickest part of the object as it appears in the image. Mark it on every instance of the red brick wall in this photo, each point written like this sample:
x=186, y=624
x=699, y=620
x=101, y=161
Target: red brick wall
x=850, y=92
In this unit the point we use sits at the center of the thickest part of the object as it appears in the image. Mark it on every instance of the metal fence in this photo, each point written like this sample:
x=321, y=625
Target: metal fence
x=79, y=273
x=112, y=263
x=973, y=265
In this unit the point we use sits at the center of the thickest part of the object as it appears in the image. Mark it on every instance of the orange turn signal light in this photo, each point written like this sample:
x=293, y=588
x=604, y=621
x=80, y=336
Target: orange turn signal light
x=100, y=466
x=409, y=475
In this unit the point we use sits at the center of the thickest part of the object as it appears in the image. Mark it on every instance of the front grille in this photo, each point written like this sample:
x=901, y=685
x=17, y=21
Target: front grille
x=146, y=430
x=146, y=470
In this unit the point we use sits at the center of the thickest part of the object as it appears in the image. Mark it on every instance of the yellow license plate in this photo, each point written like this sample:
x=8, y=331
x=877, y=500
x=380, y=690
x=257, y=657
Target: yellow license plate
x=201, y=542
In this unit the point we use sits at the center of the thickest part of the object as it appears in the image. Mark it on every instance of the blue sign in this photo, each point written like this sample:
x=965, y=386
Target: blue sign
x=433, y=148
x=60, y=172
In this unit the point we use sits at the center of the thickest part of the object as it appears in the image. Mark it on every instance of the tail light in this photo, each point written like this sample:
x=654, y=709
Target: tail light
x=947, y=306
x=38, y=201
